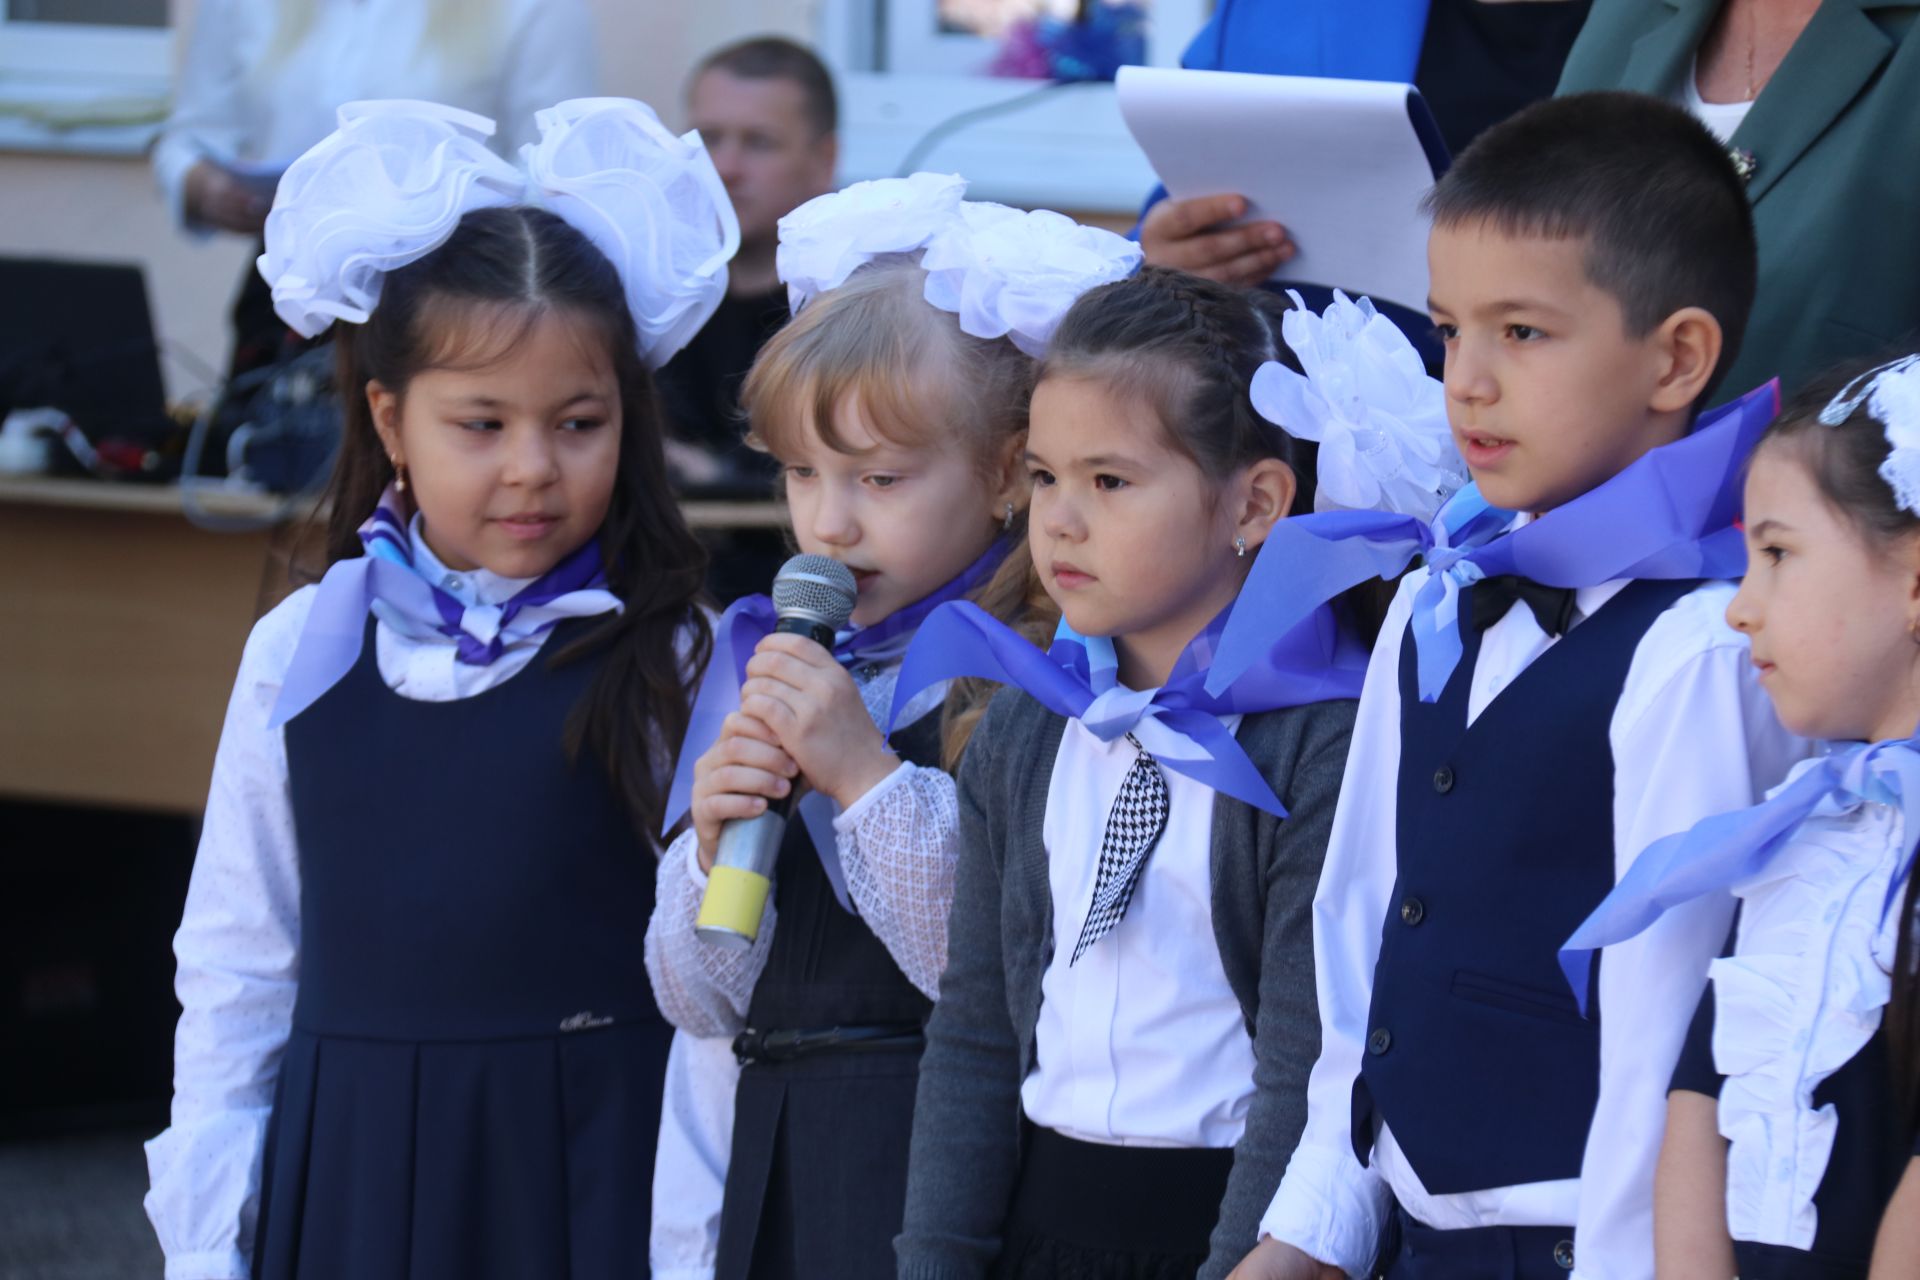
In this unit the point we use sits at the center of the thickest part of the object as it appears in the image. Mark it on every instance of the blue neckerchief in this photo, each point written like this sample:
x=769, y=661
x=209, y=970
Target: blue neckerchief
x=1670, y=514
x=336, y=626
x=1732, y=848
x=1316, y=661
x=751, y=619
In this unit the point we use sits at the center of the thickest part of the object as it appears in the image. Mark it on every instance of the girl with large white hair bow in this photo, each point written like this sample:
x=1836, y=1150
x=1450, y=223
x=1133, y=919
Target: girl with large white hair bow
x=417, y=1036
x=895, y=403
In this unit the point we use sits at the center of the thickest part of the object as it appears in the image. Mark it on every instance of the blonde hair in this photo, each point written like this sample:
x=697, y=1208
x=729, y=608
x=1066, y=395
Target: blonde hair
x=1016, y=596
x=875, y=341
x=918, y=380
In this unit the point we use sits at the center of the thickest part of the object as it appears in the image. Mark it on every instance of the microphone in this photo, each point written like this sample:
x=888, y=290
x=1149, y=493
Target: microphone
x=813, y=597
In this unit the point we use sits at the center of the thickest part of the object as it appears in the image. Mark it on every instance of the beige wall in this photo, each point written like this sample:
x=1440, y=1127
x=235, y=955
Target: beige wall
x=106, y=209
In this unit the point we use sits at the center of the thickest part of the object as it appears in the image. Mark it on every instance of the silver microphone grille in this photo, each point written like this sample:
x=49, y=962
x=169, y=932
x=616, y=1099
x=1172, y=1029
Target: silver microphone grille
x=818, y=588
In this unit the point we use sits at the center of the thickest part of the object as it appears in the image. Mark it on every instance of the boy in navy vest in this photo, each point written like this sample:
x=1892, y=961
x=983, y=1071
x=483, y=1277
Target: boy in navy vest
x=1592, y=263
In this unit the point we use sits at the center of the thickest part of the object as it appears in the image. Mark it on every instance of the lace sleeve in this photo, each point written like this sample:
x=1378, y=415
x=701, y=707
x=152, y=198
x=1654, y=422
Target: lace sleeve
x=898, y=844
x=701, y=988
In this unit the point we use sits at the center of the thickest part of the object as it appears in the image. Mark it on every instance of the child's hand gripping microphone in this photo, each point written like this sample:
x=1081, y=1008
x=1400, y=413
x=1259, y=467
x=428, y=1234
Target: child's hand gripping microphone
x=814, y=597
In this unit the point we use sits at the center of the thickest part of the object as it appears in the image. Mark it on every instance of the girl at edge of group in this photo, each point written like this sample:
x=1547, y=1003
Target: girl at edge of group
x=1792, y=1115
x=418, y=1039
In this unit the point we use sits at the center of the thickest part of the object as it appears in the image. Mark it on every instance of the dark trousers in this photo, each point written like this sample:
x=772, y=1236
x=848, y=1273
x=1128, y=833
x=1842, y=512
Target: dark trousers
x=1481, y=1253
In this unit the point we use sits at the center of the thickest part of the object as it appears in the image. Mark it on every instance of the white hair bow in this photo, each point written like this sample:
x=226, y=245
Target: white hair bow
x=390, y=185
x=1366, y=397
x=830, y=237
x=1013, y=273
x=1892, y=393
x=1004, y=272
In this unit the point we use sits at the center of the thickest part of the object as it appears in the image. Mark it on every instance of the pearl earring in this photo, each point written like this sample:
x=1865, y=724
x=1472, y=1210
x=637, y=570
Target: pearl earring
x=399, y=476
x=1240, y=548
x=1007, y=524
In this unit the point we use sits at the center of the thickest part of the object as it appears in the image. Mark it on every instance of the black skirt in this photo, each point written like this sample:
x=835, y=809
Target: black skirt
x=1088, y=1211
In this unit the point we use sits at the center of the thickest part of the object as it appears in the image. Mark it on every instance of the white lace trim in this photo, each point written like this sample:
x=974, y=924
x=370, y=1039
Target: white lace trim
x=700, y=987
x=897, y=845
x=1800, y=996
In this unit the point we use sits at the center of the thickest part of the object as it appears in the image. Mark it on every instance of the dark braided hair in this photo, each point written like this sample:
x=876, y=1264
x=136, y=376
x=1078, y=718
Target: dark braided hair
x=1189, y=347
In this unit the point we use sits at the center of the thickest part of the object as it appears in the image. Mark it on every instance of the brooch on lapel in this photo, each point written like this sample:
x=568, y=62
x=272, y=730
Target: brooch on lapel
x=1743, y=162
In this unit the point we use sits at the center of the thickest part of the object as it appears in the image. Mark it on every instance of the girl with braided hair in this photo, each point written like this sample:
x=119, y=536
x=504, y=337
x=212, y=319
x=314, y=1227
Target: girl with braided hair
x=1116, y=1073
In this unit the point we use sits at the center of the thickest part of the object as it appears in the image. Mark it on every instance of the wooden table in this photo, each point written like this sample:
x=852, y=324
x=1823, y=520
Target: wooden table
x=121, y=626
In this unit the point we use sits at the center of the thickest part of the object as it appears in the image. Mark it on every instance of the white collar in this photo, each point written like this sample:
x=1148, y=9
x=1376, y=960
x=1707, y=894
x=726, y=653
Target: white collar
x=470, y=587
x=1587, y=600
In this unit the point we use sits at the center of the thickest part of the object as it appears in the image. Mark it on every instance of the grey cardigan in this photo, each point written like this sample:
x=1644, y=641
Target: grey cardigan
x=966, y=1124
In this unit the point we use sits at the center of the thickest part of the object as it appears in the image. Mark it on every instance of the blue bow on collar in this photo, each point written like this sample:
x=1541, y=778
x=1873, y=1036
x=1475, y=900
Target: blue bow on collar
x=1670, y=514
x=1732, y=848
x=1317, y=660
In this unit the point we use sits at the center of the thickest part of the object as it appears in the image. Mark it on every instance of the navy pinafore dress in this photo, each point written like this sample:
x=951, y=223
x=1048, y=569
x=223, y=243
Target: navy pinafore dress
x=471, y=1089
x=817, y=1178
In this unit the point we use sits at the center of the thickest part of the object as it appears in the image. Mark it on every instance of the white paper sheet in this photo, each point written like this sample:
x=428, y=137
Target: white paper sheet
x=1337, y=162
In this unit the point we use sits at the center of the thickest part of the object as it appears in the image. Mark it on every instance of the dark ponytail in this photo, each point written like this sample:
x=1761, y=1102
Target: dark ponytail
x=1189, y=347
x=460, y=306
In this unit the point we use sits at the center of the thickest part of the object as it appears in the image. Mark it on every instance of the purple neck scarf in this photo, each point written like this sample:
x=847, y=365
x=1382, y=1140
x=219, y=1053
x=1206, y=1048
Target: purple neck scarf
x=336, y=627
x=1733, y=848
x=1668, y=515
x=1316, y=660
x=751, y=619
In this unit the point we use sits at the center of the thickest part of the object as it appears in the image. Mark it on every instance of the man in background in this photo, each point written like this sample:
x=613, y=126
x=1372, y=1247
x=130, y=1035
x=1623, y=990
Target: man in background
x=767, y=111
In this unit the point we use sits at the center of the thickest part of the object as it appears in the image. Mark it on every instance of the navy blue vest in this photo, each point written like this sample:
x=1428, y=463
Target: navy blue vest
x=460, y=878
x=1476, y=1054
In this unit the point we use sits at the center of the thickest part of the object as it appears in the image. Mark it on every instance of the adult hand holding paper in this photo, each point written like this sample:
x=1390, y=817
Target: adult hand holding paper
x=1203, y=235
x=1342, y=163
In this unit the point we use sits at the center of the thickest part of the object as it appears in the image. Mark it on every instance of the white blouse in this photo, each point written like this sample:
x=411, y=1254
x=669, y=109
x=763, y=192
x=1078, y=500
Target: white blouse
x=1723, y=118
x=240, y=99
x=1143, y=1042
x=1799, y=997
x=239, y=941
x=897, y=846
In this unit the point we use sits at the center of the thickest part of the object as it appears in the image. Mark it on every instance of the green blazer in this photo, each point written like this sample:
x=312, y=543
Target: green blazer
x=1835, y=138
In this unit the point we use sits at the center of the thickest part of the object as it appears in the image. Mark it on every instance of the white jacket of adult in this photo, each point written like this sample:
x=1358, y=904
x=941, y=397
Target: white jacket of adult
x=261, y=80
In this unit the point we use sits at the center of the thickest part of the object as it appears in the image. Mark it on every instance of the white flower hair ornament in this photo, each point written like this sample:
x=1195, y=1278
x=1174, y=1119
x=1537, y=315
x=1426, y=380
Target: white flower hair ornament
x=1366, y=397
x=830, y=237
x=1013, y=274
x=391, y=183
x=1892, y=396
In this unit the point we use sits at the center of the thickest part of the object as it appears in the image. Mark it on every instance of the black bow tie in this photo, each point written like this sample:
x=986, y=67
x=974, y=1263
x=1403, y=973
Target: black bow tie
x=1553, y=607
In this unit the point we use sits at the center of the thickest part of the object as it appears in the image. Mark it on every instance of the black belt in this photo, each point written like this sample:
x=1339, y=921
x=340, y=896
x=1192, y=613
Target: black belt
x=784, y=1046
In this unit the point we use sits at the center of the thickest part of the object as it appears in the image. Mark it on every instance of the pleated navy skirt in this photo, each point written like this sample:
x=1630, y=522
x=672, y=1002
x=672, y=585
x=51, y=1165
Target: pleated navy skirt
x=472, y=1086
